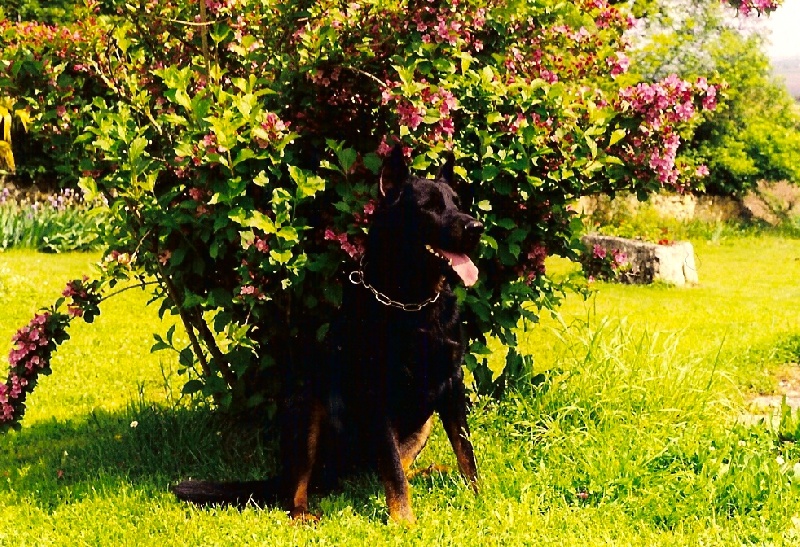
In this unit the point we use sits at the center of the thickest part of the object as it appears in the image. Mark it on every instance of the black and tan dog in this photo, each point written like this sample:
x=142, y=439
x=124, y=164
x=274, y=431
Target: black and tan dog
x=395, y=356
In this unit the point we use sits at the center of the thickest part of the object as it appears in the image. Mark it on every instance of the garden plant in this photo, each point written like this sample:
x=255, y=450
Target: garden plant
x=240, y=163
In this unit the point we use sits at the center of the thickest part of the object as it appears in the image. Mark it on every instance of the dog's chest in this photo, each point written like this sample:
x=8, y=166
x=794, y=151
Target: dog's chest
x=394, y=358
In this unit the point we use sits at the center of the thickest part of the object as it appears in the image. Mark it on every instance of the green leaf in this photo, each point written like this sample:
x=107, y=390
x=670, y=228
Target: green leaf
x=307, y=184
x=591, y=144
x=159, y=345
x=261, y=179
x=252, y=219
x=617, y=136
x=477, y=348
x=137, y=148
x=373, y=162
x=192, y=386
x=288, y=233
x=186, y=357
x=281, y=257
x=489, y=172
x=347, y=157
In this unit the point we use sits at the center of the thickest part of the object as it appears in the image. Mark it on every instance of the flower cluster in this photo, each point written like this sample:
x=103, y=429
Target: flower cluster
x=754, y=7
x=30, y=356
x=432, y=103
x=446, y=25
x=270, y=130
x=354, y=248
x=605, y=264
x=662, y=106
x=35, y=343
x=84, y=298
x=259, y=243
x=667, y=102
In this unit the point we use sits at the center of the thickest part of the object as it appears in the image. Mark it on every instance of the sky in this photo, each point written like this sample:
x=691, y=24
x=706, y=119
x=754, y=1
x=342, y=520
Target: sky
x=785, y=26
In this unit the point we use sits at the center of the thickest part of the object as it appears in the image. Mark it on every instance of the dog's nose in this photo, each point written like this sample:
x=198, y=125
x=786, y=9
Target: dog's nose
x=474, y=228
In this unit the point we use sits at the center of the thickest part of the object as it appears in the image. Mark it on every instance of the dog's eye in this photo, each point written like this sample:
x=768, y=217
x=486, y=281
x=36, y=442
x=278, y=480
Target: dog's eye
x=435, y=202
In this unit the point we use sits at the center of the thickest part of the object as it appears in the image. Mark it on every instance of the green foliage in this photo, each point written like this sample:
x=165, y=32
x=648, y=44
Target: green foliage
x=44, y=11
x=241, y=157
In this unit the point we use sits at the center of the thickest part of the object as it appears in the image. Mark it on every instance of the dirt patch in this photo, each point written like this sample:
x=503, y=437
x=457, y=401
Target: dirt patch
x=767, y=406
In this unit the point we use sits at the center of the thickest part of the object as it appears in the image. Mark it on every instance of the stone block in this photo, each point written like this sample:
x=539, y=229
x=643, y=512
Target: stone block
x=648, y=262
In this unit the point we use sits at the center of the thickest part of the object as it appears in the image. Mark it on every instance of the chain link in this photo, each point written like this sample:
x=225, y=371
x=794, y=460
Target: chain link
x=357, y=278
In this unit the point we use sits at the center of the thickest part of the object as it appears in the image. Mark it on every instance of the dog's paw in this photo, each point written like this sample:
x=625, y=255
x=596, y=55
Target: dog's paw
x=403, y=518
x=302, y=515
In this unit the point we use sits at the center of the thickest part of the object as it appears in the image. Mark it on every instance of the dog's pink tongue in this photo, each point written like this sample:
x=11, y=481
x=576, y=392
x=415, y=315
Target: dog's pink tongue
x=463, y=266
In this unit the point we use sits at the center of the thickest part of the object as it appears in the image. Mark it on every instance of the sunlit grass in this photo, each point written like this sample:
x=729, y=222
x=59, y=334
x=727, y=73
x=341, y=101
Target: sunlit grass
x=628, y=436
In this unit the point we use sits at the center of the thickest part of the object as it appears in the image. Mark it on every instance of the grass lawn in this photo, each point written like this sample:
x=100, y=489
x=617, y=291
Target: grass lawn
x=629, y=437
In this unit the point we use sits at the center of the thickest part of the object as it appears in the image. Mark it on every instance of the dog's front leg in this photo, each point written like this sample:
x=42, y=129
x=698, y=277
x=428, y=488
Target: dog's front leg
x=453, y=413
x=390, y=469
x=302, y=464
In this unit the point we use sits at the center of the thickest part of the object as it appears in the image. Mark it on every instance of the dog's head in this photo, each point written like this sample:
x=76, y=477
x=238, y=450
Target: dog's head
x=425, y=219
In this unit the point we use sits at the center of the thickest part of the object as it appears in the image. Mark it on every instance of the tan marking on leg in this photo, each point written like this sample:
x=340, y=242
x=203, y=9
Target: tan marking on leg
x=300, y=496
x=413, y=445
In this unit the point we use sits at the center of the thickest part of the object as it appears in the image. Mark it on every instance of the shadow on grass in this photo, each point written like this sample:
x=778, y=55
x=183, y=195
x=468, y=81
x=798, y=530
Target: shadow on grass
x=145, y=449
x=146, y=446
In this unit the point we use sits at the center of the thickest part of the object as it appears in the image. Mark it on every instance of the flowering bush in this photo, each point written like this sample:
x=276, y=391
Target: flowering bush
x=605, y=265
x=752, y=134
x=35, y=343
x=240, y=152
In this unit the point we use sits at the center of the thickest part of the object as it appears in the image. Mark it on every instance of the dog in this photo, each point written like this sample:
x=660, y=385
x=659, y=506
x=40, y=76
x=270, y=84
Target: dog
x=394, y=357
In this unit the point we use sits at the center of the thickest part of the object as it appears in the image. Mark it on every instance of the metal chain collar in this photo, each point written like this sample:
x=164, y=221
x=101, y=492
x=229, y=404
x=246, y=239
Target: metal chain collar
x=357, y=278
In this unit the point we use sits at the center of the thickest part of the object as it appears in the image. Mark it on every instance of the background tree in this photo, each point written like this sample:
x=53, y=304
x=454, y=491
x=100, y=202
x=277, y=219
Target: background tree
x=754, y=134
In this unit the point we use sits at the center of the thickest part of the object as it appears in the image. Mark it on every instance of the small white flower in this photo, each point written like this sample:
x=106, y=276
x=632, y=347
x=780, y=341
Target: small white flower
x=780, y=460
x=134, y=423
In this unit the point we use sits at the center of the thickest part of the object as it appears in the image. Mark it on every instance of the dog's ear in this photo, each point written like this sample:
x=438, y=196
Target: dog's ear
x=394, y=171
x=465, y=191
x=446, y=172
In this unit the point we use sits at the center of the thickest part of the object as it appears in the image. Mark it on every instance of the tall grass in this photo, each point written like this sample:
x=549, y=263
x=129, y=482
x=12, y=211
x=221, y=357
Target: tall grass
x=626, y=420
x=628, y=432
x=57, y=223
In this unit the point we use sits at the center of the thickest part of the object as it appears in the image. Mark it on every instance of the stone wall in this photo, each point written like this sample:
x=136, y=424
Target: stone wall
x=769, y=202
x=681, y=207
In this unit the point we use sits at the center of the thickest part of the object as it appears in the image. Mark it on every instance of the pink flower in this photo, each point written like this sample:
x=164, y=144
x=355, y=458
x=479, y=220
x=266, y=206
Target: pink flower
x=383, y=148
x=196, y=194
x=410, y=116
x=599, y=252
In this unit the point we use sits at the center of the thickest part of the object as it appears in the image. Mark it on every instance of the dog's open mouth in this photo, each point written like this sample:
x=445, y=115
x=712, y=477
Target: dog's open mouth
x=459, y=263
